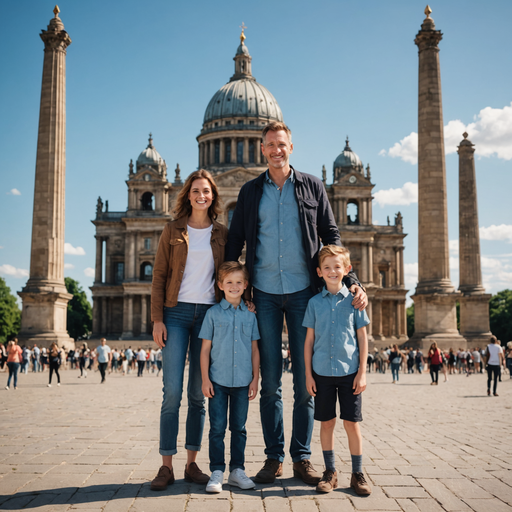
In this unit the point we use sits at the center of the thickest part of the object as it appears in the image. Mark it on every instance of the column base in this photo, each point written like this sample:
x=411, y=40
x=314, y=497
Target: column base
x=474, y=319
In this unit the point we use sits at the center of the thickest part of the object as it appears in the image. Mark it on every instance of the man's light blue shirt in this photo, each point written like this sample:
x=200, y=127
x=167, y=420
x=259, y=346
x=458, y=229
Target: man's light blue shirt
x=280, y=264
x=103, y=352
x=335, y=321
x=231, y=332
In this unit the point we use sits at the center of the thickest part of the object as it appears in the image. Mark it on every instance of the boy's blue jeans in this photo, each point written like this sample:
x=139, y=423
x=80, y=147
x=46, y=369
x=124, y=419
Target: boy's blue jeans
x=238, y=400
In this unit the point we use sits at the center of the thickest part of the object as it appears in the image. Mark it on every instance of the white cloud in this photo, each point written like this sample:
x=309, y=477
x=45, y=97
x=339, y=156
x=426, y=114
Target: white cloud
x=14, y=192
x=454, y=264
x=491, y=132
x=89, y=272
x=406, y=195
x=454, y=246
x=75, y=251
x=411, y=275
x=496, y=274
x=501, y=232
x=69, y=265
x=9, y=270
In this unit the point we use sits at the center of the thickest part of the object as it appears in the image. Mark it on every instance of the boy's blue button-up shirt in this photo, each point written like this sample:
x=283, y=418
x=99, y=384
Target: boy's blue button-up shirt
x=335, y=321
x=280, y=265
x=231, y=332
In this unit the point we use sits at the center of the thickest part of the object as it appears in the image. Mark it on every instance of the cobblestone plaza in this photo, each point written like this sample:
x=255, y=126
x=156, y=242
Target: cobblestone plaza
x=91, y=447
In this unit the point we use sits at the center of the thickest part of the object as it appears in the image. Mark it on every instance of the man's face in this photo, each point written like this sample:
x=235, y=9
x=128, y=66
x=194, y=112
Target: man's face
x=277, y=149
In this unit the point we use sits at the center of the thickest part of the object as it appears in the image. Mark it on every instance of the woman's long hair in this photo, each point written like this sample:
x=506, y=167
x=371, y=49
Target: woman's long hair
x=184, y=208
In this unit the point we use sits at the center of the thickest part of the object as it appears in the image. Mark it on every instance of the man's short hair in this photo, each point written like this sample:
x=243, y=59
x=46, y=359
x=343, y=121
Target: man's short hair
x=334, y=250
x=276, y=126
x=228, y=267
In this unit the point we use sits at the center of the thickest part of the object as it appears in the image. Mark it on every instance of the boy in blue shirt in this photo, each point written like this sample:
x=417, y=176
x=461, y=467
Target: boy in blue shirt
x=335, y=354
x=230, y=362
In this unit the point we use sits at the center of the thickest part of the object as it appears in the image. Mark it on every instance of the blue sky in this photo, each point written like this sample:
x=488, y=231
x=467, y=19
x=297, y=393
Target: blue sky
x=337, y=68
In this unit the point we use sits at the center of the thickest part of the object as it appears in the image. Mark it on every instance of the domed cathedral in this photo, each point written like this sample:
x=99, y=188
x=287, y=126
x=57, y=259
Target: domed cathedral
x=376, y=251
x=229, y=147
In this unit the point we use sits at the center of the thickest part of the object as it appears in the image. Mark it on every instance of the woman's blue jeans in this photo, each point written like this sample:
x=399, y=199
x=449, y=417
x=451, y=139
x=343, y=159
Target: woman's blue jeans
x=183, y=323
x=271, y=310
x=238, y=399
x=394, y=370
x=13, y=372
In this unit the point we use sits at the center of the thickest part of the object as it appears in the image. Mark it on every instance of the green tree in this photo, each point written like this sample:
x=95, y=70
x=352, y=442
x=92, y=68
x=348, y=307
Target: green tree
x=10, y=314
x=79, y=311
x=500, y=315
x=410, y=320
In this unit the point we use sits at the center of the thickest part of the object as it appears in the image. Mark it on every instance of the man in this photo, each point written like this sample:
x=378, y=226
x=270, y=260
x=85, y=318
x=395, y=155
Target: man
x=104, y=355
x=36, y=354
x=129, y=356
x=282, y=215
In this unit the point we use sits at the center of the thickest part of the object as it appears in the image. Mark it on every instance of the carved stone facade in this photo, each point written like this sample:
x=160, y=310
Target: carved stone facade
x=127, y=241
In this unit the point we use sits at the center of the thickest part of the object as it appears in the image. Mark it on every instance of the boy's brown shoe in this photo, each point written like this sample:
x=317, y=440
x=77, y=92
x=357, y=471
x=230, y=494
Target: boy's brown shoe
x=194, y=474
x=328, y=482
x=360, y=485
x=164, y=478
x=306, y=472
x=267, y=474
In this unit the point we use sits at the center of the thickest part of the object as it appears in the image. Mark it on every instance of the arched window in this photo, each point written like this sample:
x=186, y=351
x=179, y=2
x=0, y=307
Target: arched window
x=146, y=271
x=352, y=212
x=240, y=152
x=147, y=201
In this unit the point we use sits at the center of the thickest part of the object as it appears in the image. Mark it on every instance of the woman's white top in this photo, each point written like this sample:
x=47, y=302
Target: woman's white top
x=197, y=285
x=494, y=354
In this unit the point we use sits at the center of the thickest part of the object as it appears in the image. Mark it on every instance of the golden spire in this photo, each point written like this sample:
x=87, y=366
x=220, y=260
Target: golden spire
x=242, y=35
x=56, y=11
x=428, y=11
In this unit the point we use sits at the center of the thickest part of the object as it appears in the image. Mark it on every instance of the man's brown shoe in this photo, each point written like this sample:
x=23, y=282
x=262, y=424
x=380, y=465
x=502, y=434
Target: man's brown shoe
x=329, y=481
x=164, y=478
x=194, y=474
x=306, y=472
x=360, y=485
x=267, y=474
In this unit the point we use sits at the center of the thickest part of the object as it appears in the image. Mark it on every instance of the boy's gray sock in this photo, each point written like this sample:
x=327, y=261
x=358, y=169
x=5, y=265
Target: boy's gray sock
x=357, y=463
x=329, y=460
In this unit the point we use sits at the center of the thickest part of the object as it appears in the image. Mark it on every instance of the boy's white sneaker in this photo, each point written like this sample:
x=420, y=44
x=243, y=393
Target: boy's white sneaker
x=240, y=479
x=215, y=482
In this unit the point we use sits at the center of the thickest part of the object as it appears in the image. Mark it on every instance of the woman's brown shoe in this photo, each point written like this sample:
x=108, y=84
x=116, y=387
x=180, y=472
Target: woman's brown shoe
x=164, y=478
x=360, y=485
x=194, y=474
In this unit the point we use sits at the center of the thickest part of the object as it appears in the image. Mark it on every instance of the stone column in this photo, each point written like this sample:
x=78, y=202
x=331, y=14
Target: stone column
x=45, y=298
x=370, y=262
x=377, y=325
x=364, y=262
x=143, y=314
x=222, y=151
x=98, y=275
x=211, y=159
x=96, y=315
x=130, y=256
x=398, y=273
x=474, y=305
x=257, y=151
x=104, y=316
x=435, y=297
x=246, y=151
x=402, y=270
x=233, y=151
x=127, y=317
x=108, y=261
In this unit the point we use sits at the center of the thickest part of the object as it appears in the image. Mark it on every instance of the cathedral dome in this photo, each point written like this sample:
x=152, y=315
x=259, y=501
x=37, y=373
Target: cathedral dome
x=243, y=97
x=348, y=161
x=150, y=156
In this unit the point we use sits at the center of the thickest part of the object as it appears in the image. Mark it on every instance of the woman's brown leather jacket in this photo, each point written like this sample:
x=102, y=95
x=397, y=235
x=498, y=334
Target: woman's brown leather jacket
x=170, y=261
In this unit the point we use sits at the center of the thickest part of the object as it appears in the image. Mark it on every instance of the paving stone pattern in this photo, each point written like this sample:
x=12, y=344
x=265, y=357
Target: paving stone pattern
x=85, y=446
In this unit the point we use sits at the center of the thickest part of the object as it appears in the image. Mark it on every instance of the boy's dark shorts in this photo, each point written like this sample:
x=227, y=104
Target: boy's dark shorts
x=327, y=388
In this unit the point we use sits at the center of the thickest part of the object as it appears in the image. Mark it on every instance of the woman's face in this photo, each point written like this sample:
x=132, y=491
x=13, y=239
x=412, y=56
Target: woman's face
x=200, y=195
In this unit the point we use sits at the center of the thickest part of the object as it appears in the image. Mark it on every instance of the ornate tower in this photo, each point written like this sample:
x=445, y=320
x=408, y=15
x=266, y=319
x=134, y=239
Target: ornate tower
x=474, y=303
x=435, y=297
x=45, y=297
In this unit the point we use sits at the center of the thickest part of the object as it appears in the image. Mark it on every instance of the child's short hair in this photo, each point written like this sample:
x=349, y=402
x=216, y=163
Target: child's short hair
x=228, y=267
x=334, y=250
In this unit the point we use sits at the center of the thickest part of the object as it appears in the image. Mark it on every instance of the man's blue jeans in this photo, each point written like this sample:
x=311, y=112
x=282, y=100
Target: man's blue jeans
x=183, y=323
x=13, y=372
x=218, y=410
x=395, y=367
x=271, y=311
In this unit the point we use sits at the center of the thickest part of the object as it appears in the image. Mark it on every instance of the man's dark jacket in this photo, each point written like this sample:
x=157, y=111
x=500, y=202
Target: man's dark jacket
x=316, y=222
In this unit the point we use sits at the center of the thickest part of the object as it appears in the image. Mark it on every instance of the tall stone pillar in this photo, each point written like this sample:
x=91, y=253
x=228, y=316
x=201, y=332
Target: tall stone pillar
x=99, y=261
x=435, y=297
x=143, y=314
x=474, y=303
x=44, y=297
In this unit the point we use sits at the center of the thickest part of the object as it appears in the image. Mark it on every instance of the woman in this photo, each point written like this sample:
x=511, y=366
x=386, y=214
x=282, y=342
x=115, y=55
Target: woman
x=396, y=357
x=508, y=359
x=190, y=251
x=84, y=357
x=14, y=358
x=451, y=361
x=54, y=360
x=435, y=358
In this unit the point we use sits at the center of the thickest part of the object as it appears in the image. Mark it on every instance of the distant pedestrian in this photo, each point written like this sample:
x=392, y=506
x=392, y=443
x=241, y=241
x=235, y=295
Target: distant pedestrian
x=396, y=358
x=141, y=361
x=27, y=353
x=85, y=354
x=451, y=361
x=3, y=356
x=54, y=360
x=14, y=358
x=129, y=357
x=124, y=363
x=477, y=360
x=410, y=360
x=494, y=359
x=508, y=358
x=419, y=361
x=158, y=359
x=36, y=353
x=435, y=358
x=104, y=358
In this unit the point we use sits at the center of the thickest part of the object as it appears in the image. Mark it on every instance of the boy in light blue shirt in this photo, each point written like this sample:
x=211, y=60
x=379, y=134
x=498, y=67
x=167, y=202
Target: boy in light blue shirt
x=335, y=354
x=230, y=362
